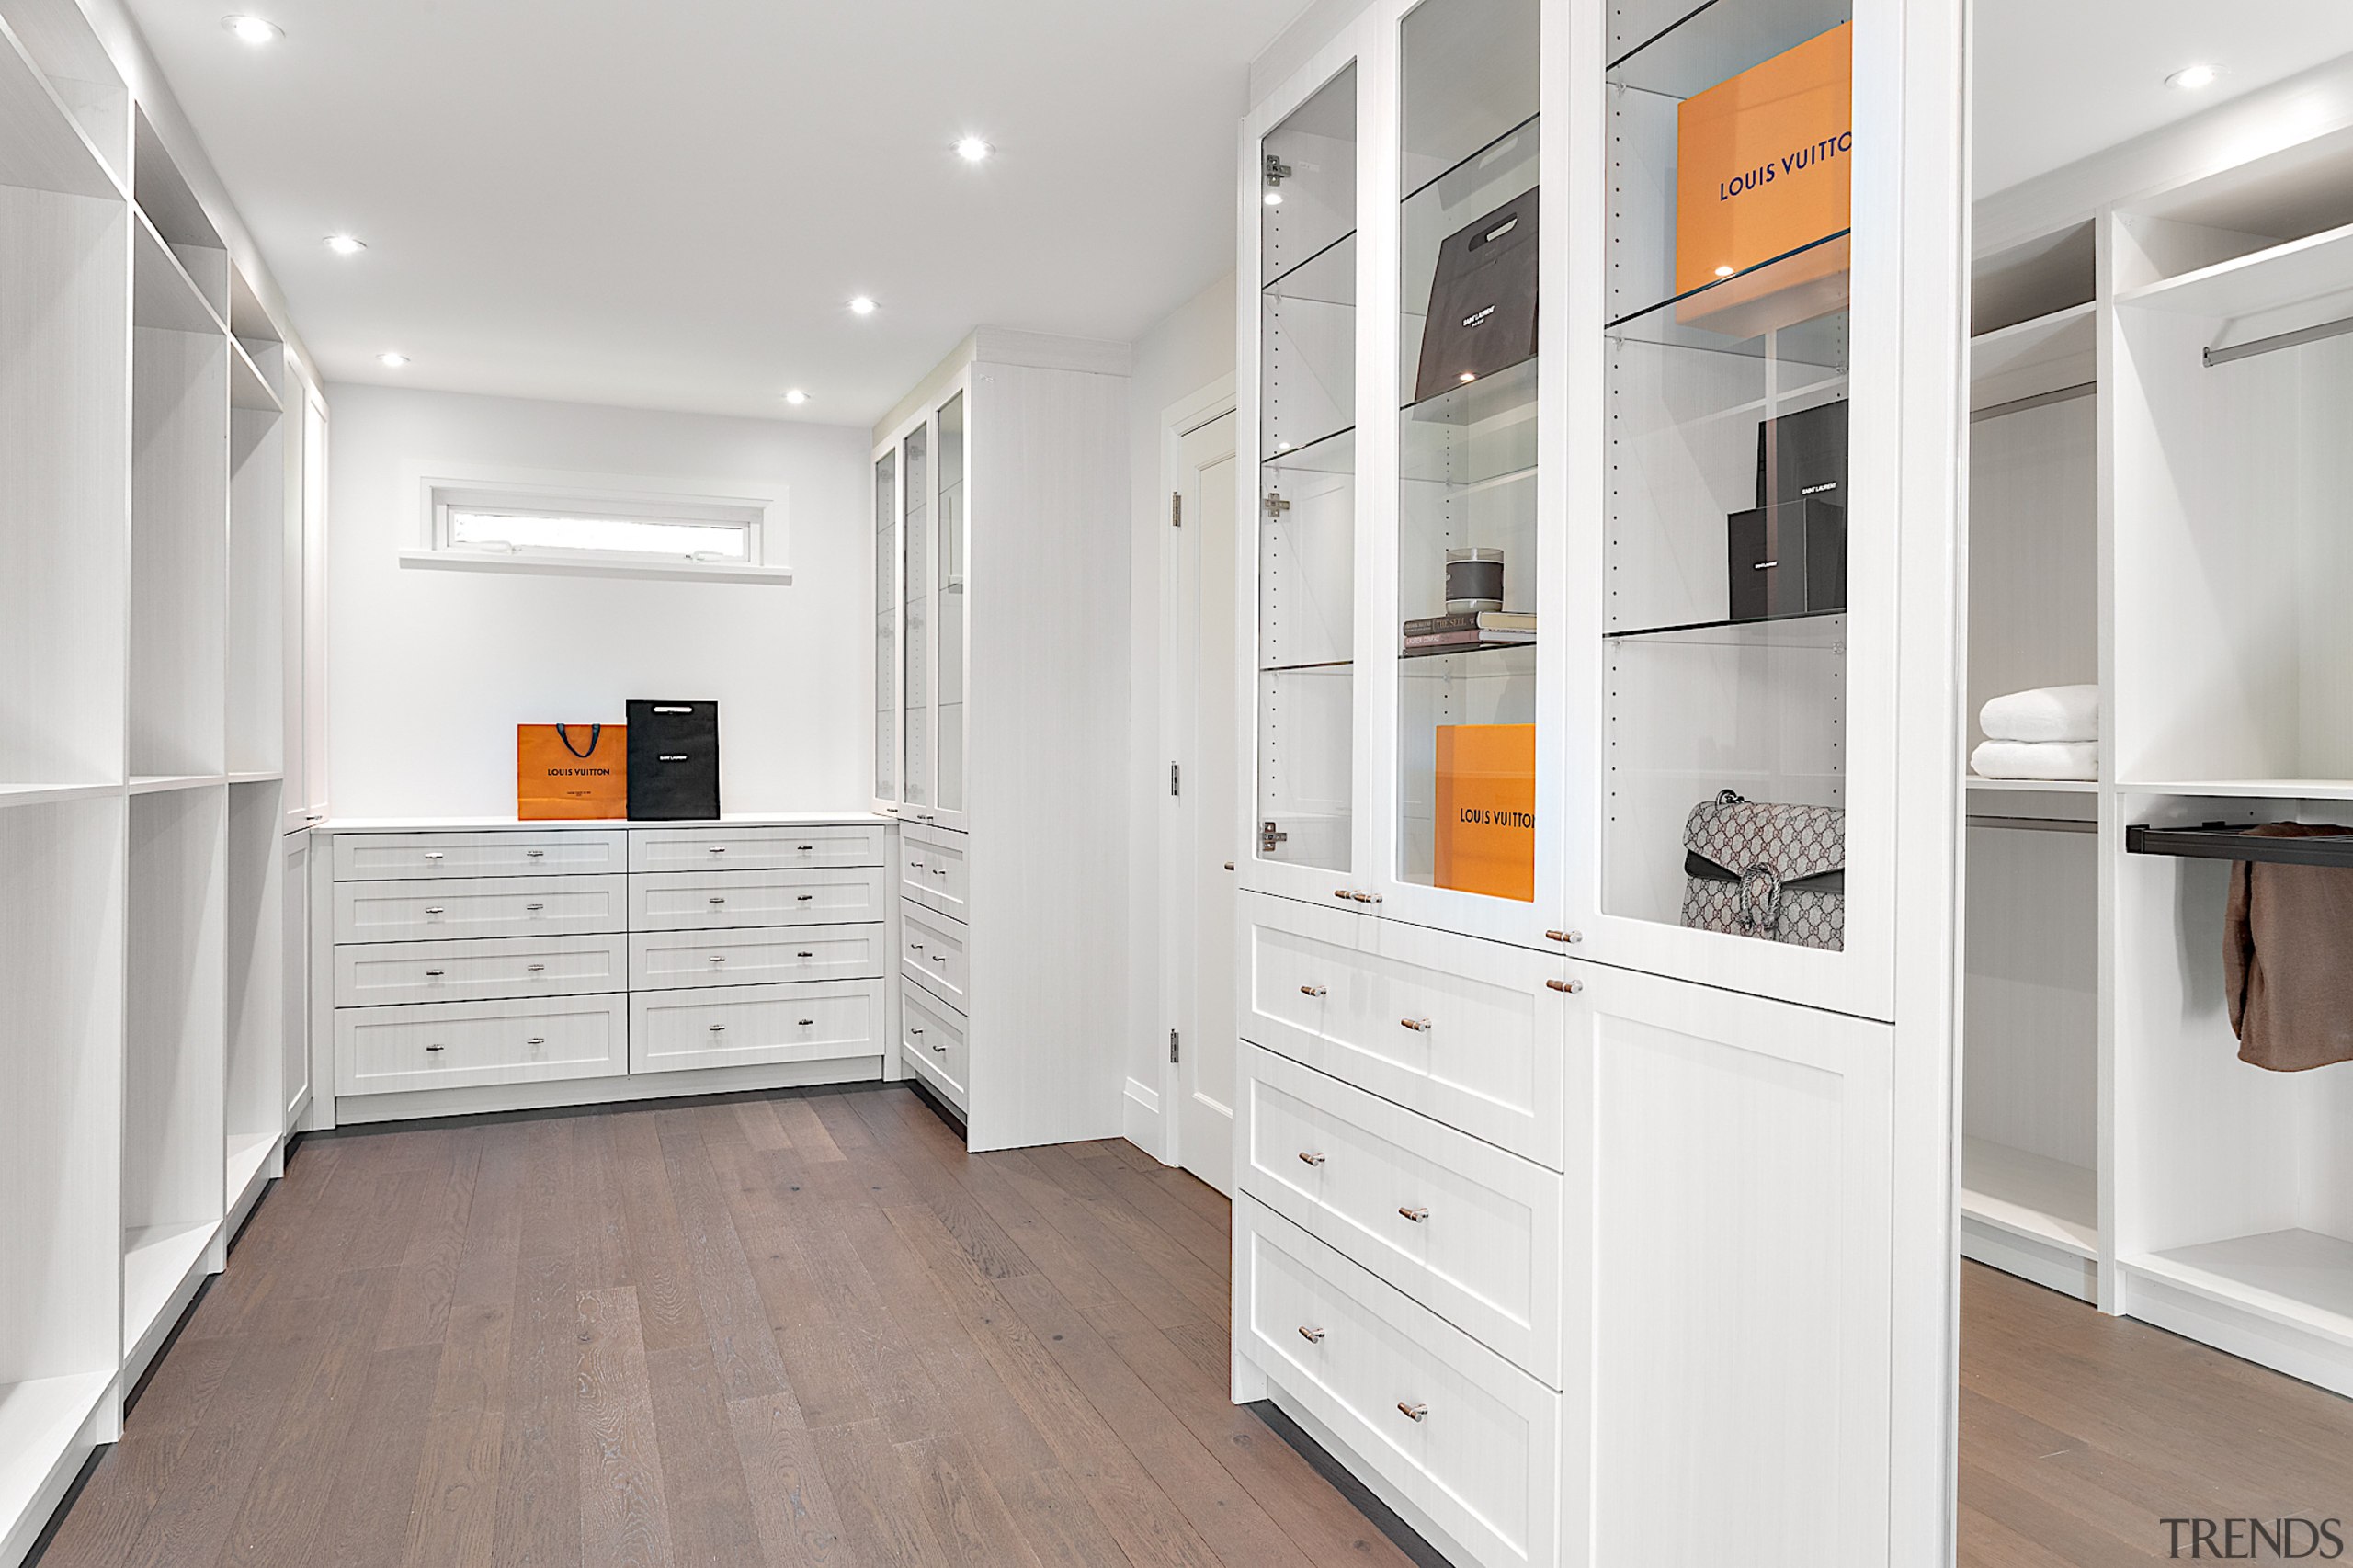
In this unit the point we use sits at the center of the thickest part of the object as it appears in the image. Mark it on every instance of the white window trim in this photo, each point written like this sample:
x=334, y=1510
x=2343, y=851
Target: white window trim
x=432, y=487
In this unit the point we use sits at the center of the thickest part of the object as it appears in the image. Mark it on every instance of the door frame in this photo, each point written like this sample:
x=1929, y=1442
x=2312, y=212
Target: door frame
x=1176, y=984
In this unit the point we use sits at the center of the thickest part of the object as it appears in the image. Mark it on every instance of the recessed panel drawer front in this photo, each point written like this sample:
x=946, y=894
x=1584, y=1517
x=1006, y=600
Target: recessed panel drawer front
x=932, y=949
x=1470, y=1032
x=705, y=901
x=376, y=974
x=753, y=848
x=678, y=961
x=394, y=856
x=479, y=906
x=456, y=1045
x=740, y=1026
x=932, y=1036
x=934, y=869
x=1469, y=1438
x=1462, y=1227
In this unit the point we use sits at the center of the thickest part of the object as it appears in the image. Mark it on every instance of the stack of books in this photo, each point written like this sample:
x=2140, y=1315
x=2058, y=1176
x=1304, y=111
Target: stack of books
x=1469, y=630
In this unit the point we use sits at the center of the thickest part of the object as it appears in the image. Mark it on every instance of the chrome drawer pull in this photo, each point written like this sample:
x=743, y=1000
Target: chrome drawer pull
x=528, y=906
x=939, y=958
x=1565, y=936
x=913, y=1029
x=1310, y=990
x=433, y=1048
x=435, y=973
x=805, y=849
x=1312, y=1336
x=719, y=957
x=939, y=871
x=914, y=947
x=806, y=1022
x=433, y=909
x=1411, y=1412
x=805, y=897
x=1419, y=1025
x=433, y=854
x=805, y=955
x=536, y=853
x=1307, y=1159
x=917, y=864
x=1415, y=1215
x=1366, y=897
x=716, y=898
x=536, y=1039
x=535, y=968
x=1342, y=894
x=718, y=1029
x=718, y=850
x=1571, y=986
x=941, y=1049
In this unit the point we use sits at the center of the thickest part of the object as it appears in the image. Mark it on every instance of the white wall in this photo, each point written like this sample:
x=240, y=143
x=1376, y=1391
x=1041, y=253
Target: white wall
x=430, y=671
x=1192, y=346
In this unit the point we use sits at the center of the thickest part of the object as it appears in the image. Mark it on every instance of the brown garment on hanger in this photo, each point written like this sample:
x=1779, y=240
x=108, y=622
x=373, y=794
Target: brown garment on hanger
x=2288, y=958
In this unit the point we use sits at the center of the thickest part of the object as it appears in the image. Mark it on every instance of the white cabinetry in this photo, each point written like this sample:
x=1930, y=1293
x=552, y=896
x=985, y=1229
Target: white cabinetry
x=1000, y=505
x=1549, y=1192
x=487, y=967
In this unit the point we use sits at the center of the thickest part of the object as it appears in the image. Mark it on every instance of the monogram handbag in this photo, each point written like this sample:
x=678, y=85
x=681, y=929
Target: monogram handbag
x=1778, y=873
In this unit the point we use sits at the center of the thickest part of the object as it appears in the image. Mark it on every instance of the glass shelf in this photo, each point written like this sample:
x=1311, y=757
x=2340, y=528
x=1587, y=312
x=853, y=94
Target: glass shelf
x=1301, y=669
x=1327, y=278
x=1310, y=162
x=1334, y=453
x=1821, y=628
x=1427, y=660
x=1675, y=50
x=1679, y=321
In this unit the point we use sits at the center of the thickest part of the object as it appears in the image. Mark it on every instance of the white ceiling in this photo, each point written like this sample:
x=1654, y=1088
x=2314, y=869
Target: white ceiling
x=669, y=205
x=2058, y=80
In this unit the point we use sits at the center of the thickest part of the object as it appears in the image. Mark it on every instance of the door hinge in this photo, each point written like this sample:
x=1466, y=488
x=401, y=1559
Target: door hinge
x=1173, y=776
x=1276, y=505
x=1270, y=835
x=1176, y=508
x=1172, y=1045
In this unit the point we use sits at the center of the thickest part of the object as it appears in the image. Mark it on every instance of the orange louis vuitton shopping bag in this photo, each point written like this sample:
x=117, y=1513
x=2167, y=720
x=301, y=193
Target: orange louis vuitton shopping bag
x=570, y=772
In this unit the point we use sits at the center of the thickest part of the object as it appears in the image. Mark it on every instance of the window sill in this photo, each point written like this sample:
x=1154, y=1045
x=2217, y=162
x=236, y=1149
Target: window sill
x=684, y=572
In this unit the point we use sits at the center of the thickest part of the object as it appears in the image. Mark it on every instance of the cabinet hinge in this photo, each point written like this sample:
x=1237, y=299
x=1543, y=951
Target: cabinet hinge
x=1172, y=1045
x=1277, y=506
x=1270, y=835
x=1176, y=509
x=1173, y=776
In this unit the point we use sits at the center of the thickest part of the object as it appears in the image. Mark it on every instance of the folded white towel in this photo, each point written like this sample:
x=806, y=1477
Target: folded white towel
x=2046, y=713
x=2036, y=759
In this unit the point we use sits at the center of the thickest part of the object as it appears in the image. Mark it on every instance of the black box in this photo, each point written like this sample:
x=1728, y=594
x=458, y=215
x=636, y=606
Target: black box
x=1483, y=299
x=674, y=762
x=1803, y=454
x=1787, y=560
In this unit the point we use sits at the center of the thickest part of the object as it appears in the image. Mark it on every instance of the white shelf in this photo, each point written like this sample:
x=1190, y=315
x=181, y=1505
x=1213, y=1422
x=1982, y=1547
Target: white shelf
x=163, y=783
x=39, y=1420
x=2033, y=785
x=2283, y=1297
x=163, y=294
x=469, y=825
x=268, y=776
x=248, y=388
x=2044, y=355
x=2251, y=788
x=2034, y=1197
x=248, y=1153
x=48, y=794
x=2263, y=280
x=46, y=148
x=157, y=1261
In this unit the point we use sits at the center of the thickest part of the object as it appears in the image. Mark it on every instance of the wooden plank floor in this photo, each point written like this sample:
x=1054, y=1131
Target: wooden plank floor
x=811, y=1330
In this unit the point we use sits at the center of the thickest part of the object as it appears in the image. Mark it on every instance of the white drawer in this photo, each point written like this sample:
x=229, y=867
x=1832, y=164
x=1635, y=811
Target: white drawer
x=673, y=960
x=452, y=1045
x=479, y=906
x=934, y=870
x=931, y=1038
x=1471, y=1032
x=1459, y=1225
x=376, y=974
x=705, y=901
x=751, y=849
x=738, y=1026
x=932, y=949
x=1467, y=1437
x=391, y=857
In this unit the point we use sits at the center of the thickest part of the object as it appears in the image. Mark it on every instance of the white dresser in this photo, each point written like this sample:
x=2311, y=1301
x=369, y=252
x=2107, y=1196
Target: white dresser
x=497, y=966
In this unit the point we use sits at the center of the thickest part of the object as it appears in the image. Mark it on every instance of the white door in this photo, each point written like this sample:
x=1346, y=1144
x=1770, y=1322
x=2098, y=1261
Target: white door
x=1202, y=844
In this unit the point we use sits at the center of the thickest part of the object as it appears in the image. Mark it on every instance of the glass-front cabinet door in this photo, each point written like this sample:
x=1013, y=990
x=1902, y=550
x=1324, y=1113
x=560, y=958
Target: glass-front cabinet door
x=1738, y=603
x=1469, y=789
x=915, y=576
x=886, y=631
x=1306, y=834
x=948, y=552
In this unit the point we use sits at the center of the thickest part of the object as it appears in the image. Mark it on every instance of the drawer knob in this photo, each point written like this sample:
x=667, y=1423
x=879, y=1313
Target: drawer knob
x=432, y=1048
x=1310, y=990
x=433, y=854
x=1565, y=936
x=435, y=973
x=1306, y=1158
x=436, y=909
x=1312, y=1336
x=805, y=955
x=805, y=897
x=1571, y=986
x=1411, y=1412
x=1415, y=1215
x=536, y=1039
x=718, y=1029
x=807, y=1022
x=1419, y=1025
x=535, y=968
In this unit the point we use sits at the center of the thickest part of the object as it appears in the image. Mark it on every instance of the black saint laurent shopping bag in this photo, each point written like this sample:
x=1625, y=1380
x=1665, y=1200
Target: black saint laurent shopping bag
x=673, y=761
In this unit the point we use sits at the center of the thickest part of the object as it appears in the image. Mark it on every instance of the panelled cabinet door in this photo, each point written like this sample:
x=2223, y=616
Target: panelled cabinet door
x=1732, y=1203
x=1302, y=550
x=1732, y=619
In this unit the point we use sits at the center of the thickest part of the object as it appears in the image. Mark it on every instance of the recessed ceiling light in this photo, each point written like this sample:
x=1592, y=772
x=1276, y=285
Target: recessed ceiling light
x=345, y=245
x=796, y=397
x=1469, y=376
x=2193, y=77
x=1274, y=199
x=1723, y=272
x=254, y=29
x=392, y=361
x=972, y=150
x=861, y=306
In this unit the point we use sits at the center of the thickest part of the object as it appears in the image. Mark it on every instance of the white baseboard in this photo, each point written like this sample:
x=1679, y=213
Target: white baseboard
x=1140, y=1119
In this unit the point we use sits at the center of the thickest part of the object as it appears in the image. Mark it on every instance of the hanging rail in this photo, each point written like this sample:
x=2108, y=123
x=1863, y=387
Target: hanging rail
x=2295, y=339
x=2227, y=841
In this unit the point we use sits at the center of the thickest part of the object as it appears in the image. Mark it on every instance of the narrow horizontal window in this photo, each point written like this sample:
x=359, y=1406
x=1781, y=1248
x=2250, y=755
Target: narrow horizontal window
x=516, y=530
x=599, y=526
